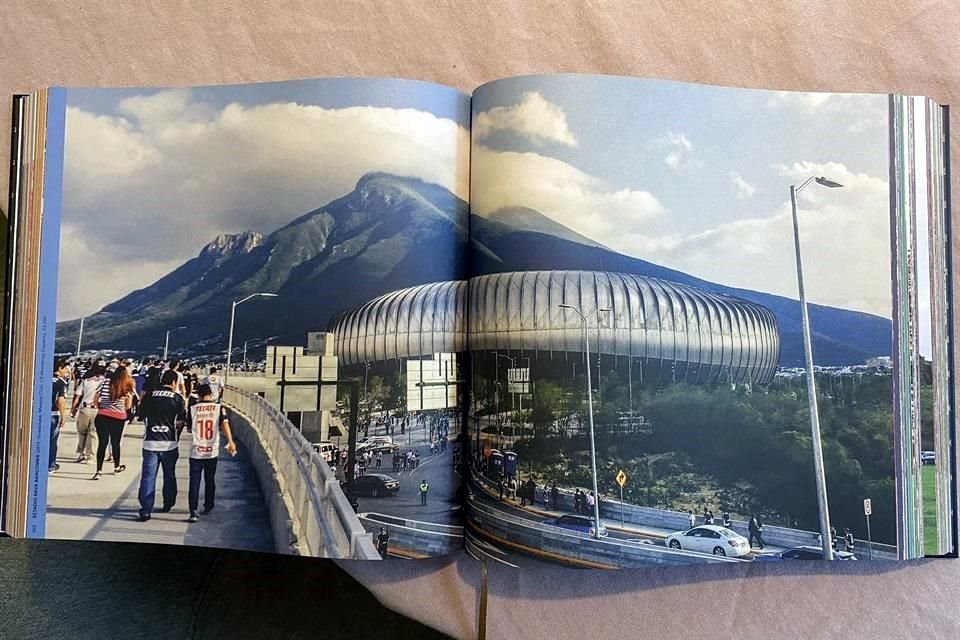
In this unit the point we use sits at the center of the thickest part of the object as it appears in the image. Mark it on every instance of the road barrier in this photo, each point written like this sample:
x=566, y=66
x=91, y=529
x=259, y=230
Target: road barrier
x=679, y=521
x=416, y=536
x=562, y=545
x=309, y=514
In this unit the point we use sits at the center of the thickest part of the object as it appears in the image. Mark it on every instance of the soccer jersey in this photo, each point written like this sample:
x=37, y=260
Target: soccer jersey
x=205, y=419
x=162, y=409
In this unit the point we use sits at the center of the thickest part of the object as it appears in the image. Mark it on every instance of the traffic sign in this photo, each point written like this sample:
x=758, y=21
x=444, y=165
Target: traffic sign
x=867, y=507
x=621, y=478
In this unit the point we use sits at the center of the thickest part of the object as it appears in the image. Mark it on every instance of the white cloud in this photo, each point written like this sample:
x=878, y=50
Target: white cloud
x=844, y=235
x=152, y=186
x=863, y=112
x=679, y=152
x=534, y=117
x=745, y=190
x=571, y=197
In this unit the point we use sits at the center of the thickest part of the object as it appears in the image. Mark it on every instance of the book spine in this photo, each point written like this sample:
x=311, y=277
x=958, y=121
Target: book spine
x=53, y=158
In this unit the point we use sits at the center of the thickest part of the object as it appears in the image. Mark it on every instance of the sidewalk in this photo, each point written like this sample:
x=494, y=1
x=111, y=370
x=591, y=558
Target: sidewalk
x=80, y=509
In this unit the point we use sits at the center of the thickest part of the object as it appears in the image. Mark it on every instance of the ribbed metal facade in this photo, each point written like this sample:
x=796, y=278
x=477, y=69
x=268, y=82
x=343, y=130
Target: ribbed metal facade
x=411, y=322
x=695, y=335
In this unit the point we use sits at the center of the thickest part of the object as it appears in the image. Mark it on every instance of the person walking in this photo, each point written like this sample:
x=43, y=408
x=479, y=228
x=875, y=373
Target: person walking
x=58, y=410
x=113, y=401
x=591, y=501
x=164, y=413
x=848, y=540
x=215, y=382
x=726, y=519
x=756, y=530
x=707, y=517
x=424, y=488
x=207, y=418
x=85, y=411
x=379, y=459
x=692, y=519
x=554, y=496
x=383, y=542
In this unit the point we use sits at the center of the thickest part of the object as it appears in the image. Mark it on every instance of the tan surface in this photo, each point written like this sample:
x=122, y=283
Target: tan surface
x=854, y=46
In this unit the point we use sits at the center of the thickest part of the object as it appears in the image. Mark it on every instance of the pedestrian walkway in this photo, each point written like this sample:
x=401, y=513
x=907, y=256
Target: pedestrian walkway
x=79, y=508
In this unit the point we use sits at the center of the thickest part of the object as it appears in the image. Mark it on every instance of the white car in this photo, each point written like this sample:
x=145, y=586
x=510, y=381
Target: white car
x=710, y=538
x=928, y=457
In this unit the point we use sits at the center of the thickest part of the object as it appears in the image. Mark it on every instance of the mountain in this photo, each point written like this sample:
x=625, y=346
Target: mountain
x=389, y=232
x=840, y=336
x=526, y=219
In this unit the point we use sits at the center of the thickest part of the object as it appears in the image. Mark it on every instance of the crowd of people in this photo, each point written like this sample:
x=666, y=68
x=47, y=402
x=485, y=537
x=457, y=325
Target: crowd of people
x=167, y=397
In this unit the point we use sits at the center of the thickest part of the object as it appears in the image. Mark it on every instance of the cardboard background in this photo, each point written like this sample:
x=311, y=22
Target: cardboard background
x=904, y=47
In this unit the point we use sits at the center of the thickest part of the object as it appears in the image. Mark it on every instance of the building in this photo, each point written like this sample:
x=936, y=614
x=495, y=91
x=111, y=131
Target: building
x=666, y=331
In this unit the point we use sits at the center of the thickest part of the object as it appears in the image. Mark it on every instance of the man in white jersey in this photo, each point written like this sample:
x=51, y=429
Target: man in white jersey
x=216, y=383
x=207, y=419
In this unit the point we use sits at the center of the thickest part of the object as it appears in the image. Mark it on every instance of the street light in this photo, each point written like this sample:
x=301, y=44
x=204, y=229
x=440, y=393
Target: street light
x=166, y=341
x=593, y=446
x=820, y=478
x=80, y=337
x=233, y=314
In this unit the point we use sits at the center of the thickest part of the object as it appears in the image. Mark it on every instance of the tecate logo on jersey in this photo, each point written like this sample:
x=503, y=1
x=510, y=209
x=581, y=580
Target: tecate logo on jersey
x=160, y=428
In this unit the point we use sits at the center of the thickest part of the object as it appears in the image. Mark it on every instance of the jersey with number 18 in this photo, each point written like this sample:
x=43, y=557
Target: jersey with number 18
x=205, y=418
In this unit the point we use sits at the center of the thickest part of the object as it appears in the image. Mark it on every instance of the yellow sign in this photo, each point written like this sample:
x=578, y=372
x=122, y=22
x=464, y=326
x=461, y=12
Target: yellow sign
x=621, y=478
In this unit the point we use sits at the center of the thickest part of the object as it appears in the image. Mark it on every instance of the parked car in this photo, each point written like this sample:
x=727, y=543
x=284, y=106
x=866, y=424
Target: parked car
x=710, y=538
x=928, y=457
x=803, y=553
x=378, y=443
x=583, y=524
x=375, y=485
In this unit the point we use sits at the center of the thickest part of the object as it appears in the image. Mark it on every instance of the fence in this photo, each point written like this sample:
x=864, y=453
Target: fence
x=309, y=514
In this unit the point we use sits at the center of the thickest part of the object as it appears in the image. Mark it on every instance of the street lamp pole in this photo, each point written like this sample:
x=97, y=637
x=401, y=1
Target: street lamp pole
x=819, y=475
x=166, y=341
x=80, y=336
x=233, y=316
x=593, y=446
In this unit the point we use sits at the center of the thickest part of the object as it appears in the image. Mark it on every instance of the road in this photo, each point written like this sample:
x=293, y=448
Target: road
x=539, y=513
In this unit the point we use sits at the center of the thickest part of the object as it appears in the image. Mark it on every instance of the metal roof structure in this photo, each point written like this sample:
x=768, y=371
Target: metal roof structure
x=699, y=336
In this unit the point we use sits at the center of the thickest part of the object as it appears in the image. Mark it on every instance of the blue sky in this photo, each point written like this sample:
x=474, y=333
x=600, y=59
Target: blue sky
x=696, y=177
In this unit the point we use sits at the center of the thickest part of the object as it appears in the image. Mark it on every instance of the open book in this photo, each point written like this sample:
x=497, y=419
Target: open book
x=567, y=319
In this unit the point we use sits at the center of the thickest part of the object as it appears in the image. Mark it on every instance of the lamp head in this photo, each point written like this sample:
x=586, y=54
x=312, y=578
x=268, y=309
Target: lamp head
x=827, y=182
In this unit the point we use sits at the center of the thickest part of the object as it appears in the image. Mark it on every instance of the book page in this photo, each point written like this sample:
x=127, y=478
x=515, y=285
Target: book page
x=640, y=372
x=292, y=251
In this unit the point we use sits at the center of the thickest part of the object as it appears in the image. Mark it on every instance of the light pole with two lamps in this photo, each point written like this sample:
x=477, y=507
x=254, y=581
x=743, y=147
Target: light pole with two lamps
x=233, y=315
x=166, y=341
x=593, y=446
x=820, y=477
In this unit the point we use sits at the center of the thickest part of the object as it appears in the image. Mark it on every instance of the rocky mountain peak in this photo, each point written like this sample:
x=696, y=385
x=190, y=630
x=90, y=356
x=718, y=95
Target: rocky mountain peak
x=231, y=244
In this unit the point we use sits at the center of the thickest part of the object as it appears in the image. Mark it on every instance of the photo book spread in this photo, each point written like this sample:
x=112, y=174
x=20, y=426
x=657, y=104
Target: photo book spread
x=568, y=320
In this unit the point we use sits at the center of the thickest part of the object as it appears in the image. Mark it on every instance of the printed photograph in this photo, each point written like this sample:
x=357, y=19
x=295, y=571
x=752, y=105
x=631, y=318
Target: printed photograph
x=243, y=274
x=641, y=390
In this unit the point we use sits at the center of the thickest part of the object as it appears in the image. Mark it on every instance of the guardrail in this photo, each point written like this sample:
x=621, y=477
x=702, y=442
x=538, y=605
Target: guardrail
x=415, y=536
x=679, y=521
x=562, y=545
x=309, y=513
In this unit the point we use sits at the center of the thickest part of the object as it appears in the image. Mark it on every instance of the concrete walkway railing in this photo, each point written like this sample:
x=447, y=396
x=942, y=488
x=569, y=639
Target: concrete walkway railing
x=309, y=513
